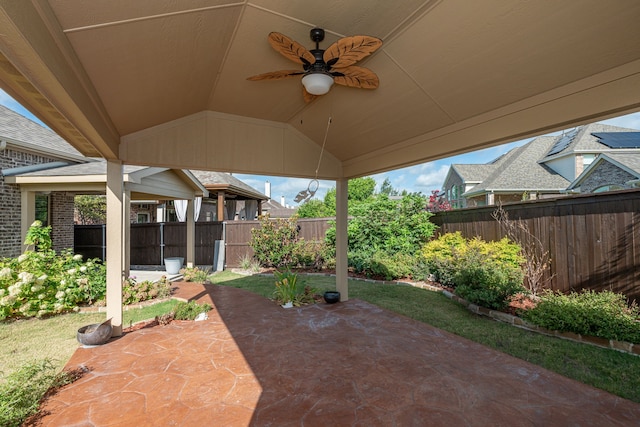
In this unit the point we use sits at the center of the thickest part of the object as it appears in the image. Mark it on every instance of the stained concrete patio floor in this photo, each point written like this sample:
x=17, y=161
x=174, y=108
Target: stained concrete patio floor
x=348, y=364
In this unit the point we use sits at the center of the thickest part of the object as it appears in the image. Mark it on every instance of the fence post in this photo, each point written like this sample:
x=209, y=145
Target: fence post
x=104, y=242
x=162, y=243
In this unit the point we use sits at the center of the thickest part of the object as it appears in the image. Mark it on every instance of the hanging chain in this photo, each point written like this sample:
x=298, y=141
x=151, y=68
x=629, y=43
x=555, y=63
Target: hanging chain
x=326, y=133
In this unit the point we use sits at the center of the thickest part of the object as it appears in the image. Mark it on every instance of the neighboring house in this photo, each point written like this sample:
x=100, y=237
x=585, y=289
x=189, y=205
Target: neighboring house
x=26, y=146
x=229, y=198
x=594, y=157
x=42, y=172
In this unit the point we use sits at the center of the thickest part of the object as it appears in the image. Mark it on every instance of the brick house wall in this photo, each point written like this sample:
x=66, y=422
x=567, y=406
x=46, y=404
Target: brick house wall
x=10, y=199
x=605, y=174
x=61, y=217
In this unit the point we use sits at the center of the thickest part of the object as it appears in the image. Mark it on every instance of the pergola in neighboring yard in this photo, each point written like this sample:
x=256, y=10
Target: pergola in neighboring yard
x=139, y=183
x=163, y=83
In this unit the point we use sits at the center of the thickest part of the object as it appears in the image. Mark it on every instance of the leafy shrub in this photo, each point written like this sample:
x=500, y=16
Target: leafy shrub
x=194, y=274
x=390, y=226
x=600, y=314
x=134, y=292
x=384, y=235
x=486, y=281
x=382, y=265
x=274, y=242
x=441, y=255
x=309, y=254
x=22, y=390
x=189, y=310
x=277, y=243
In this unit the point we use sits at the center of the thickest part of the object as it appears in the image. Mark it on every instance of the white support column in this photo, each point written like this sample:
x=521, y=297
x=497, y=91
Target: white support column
x=126, y=237
x=191, y=235
x=115, y=234
x=27, y=213
x=342, y=265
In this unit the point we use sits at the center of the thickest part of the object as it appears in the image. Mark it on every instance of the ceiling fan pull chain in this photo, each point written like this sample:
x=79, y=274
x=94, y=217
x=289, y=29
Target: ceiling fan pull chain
x=326, y=132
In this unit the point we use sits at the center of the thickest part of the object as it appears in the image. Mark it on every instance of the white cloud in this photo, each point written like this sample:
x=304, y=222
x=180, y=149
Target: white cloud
x=432, y=180
x=631, y=121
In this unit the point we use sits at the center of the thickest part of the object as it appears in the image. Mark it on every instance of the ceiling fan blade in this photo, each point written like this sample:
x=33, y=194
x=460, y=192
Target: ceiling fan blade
x=349, y=50
x=307, y=96
x=291, y=49
x=356, y=77
x=276, y=75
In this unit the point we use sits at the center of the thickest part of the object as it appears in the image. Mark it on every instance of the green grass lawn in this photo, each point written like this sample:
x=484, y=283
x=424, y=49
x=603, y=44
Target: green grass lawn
x=615, y=372
x=26, y=340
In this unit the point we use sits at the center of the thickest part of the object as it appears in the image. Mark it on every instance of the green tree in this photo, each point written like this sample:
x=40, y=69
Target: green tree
x=361, y=189
x=387, y=189
x=91, y=209
x=313, y=208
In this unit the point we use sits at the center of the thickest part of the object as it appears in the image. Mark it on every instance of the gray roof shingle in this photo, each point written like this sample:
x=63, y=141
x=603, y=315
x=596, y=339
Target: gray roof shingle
x=92, y=168
x=585, y=141
x=221, y=178
x=521, y=170
x=25, y=131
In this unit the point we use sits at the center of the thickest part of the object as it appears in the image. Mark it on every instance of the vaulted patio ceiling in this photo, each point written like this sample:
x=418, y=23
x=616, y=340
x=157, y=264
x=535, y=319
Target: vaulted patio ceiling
x=163, y=83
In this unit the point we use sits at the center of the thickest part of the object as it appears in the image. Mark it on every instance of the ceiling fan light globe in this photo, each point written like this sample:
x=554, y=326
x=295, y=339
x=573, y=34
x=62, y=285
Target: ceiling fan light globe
x=317, y=83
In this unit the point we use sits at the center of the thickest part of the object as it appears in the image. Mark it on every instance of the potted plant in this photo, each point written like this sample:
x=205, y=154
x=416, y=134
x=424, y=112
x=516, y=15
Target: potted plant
x=285, y=291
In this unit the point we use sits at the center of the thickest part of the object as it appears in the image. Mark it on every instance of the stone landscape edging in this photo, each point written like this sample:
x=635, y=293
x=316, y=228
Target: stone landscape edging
x=622, y=346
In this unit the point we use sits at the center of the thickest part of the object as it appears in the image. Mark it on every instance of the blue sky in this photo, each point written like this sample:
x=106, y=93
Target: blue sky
x=424, y=177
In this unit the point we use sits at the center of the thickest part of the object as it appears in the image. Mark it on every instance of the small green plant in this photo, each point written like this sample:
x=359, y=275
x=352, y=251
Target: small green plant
x=286, y=283
x=308, y=296
x=189, y=310
x=22, y=390
x=245, y=262
x=600, y=314
x=195, y=274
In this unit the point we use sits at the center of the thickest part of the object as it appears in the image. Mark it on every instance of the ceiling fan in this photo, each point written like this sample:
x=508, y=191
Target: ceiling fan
x=322, y=68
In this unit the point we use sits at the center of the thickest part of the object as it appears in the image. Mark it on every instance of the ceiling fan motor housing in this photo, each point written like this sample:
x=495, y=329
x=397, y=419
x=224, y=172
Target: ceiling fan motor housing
x=316, y=34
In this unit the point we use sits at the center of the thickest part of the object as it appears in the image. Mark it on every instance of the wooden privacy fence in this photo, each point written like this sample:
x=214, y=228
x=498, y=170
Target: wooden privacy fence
x=593, y=240
x=152, y=242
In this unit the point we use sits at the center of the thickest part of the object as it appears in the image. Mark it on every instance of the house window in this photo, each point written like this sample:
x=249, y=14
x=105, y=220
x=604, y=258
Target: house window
x=587, y=159
x=143, y=218
x=610, y=187
x=42, y=208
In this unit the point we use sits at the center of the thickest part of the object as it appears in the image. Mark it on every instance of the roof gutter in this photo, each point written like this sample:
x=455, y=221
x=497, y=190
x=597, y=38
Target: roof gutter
x=32, y=168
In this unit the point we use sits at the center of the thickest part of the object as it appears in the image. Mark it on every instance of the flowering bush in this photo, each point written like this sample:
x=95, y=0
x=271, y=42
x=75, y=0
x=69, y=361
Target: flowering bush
x=134, y=292
x=41, y=282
